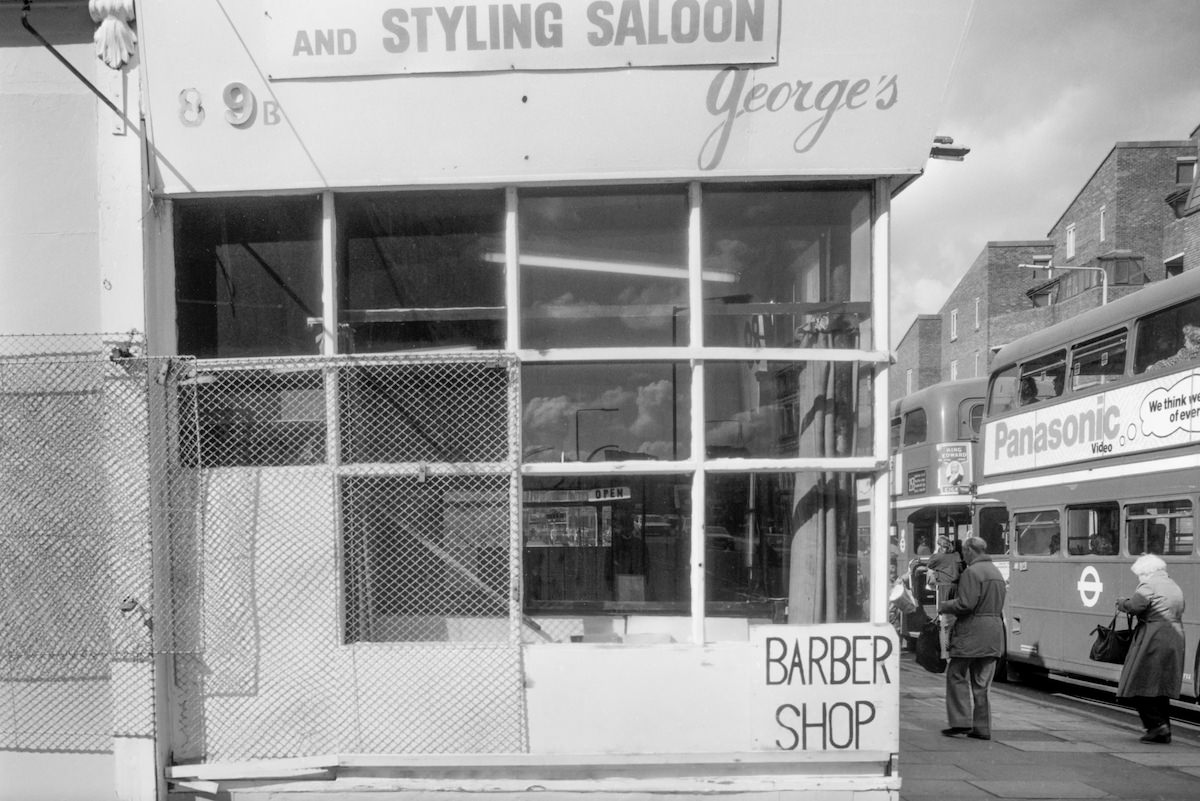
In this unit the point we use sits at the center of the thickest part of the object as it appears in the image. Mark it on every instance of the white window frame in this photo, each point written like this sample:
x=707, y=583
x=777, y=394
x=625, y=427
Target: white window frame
x=954, y=369
x=908, y=376
x=1103, y=223
x=953, y=324
x=977, y=318
x=1071, y=241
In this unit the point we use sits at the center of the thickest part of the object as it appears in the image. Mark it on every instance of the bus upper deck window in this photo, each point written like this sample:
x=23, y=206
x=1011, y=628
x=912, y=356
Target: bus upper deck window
x=915, y=427
x=1002, y=392
x=1100, y=361
x=1169, y=338
x=1043, y=378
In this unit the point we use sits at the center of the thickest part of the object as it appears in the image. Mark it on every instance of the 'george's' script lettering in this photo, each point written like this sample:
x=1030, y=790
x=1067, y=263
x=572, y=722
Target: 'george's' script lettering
x=729, y=99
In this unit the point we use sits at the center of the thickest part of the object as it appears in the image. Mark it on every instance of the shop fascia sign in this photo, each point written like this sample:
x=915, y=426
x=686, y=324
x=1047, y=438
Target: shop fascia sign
x=322, y=38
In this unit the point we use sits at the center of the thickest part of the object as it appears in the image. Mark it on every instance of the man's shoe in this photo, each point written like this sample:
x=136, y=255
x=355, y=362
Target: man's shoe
x=1159, y=734
x=954, y=731
x=974, y=735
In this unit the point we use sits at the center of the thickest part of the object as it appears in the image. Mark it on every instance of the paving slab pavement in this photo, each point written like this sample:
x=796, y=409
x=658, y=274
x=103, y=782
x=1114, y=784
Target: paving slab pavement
x=1037, y=751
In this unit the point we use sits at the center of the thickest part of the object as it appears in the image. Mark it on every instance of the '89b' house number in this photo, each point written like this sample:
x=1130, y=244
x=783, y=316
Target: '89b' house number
x=241, y=108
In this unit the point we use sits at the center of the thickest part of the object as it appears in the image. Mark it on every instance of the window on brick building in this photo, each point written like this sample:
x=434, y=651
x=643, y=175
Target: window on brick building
x=953, y=324
x=954, y=369
x=1103, y=224
x=977, y=373
x=908, y=387
x=1071, y=241
x=1174, y=265
x=1185, y=171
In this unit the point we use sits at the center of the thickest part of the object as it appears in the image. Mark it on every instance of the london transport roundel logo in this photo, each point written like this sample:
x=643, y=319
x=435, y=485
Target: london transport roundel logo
x=1089, y=586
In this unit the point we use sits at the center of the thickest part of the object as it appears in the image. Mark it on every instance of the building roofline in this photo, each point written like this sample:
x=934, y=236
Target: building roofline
x=1108, y=155
x=1020, y=243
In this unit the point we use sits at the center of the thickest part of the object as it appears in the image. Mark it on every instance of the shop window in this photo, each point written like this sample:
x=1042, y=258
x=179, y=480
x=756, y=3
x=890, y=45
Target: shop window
x=615, y=411
x=1166, y=528
x=794, y=267
x=767, y=409
x=440, y=412
x=426, y=559
x=421, y=271
x=1037, y=533
x=247, y=276
x=605, y=268
x=1169, y=339
x=1100, y=361
x=606, y=543
x=260, y=418
x=1092, y=529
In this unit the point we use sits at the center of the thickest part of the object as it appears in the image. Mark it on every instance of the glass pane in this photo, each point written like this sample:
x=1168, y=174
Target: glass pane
x=993, y=528
x=1100, y=361
x=915, y=427
x=604, y=268
x=1043, y=378
x=770, y=409
x=1162, y=527
x=606, y=543
x=421, y=271
x=791, y=547
x=1092, y=529
x=1169, y=339
x=1002, y=392
x=606, y=412
x=247, y=276
x=791, y=267
x=1037, y=533
x=425, y=559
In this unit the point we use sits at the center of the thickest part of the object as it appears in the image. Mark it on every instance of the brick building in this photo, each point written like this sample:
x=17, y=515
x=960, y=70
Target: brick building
x=1136, y=219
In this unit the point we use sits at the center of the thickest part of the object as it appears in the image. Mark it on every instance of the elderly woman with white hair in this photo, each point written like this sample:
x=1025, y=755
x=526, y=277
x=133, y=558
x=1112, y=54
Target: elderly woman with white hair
x=1153, y=670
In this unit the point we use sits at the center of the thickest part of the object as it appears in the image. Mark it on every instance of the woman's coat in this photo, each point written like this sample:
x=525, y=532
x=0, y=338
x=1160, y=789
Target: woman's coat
x=1154, y=666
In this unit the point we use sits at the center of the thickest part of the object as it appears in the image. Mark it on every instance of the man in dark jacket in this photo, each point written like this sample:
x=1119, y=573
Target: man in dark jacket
x=976, y=642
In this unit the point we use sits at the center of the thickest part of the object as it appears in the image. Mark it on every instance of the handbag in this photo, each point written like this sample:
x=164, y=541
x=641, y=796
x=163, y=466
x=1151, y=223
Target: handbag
x=902, y=598
x=1112, y=644
x=929, y=648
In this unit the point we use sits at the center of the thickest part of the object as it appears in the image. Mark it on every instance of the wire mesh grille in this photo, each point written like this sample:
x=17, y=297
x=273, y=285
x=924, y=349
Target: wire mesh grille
x=333, y=540
x=356, y=550
x=76, y=521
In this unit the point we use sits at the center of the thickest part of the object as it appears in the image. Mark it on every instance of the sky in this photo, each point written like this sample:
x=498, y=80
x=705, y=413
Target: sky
x=1041, y=92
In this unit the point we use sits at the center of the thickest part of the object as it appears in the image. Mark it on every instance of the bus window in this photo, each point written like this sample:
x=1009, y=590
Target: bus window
x=1037, y=532
x=1162, y=527
x=1168, y=338
x=1100, y=361
x=1002, y=393
x=1092, y=529
x=895, y=434
x=915, y=427
x=970, y=419
x=993, y=528
x=1042, y=379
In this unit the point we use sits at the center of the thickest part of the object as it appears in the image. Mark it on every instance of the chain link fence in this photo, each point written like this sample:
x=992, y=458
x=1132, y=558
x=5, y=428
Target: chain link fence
x=77, y=514
x=334, y=543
